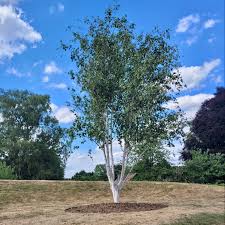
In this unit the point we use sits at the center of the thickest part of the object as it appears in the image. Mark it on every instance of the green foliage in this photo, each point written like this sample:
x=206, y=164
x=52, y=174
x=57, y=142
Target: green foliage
x=205, y=168
x=6, y=172
x=32, y=142
x=202, y=168
x=123, y=82
x=156, y=167
x=84, y=176
x=99, y=174
x=153, y=171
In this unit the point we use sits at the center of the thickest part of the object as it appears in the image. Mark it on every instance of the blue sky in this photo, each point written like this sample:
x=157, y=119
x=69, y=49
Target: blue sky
x=30, y=33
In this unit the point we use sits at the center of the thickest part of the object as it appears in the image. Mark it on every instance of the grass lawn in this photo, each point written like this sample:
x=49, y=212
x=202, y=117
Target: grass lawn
x=201, y=219
x=44, y=202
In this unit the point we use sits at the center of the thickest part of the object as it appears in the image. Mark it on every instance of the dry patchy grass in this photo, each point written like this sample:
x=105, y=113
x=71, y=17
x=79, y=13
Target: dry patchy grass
x=44, y=202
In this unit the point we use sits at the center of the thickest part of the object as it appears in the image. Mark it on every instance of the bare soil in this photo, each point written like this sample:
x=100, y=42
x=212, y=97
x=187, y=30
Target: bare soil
x=115, y=207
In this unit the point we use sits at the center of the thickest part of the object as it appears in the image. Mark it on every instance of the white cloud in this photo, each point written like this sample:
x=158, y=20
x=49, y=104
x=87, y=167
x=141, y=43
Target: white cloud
x=210, y=23
x=54, y=107
x=185, y=23
x=190, y=104
x=194, y=75
x=61, y=86
x=14, y=72
x=174, y=152
x=9, y=2
x=59, y=7
x=15, y=33
x=191, y=26
x=212, y=39
x=35, y=64
x=45, y=79
x=52, y=68
x=62, y=114
x=81, y=161
x=191, y=40
x=217, y=79
x=1, y=118
x=9, y=49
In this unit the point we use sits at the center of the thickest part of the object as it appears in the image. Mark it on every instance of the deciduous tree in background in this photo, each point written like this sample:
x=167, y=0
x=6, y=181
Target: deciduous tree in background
x=122, y=84
x=207, y=132
x=31, y=140
x=204, y=168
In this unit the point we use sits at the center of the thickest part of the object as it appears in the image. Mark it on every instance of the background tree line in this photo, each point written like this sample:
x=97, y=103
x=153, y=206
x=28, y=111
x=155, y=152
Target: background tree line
x=202, y=168
x=33, y=146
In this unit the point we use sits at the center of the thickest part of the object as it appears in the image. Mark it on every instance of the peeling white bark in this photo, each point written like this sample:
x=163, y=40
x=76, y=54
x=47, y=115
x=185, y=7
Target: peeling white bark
x=115, y=193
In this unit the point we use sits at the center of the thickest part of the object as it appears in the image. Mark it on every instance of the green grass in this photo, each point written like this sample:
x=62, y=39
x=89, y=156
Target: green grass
x=201, y=219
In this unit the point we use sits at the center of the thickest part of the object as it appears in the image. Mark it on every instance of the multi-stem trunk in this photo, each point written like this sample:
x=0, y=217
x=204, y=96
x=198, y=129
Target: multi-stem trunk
x=115, y=193
x=116, y=185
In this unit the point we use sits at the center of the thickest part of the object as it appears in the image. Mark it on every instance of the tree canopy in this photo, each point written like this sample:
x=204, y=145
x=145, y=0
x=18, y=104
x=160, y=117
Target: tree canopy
x=207, y=132
x=32, y=142
x=123, y=81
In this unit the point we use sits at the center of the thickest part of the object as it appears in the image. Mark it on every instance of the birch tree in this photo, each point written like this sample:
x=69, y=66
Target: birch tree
x=122, y=82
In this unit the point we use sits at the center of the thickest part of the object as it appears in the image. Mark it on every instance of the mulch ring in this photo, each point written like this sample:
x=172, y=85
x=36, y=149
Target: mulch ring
x=115, y=207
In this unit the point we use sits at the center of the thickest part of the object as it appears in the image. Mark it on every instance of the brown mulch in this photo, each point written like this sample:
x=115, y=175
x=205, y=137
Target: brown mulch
x=115, y=207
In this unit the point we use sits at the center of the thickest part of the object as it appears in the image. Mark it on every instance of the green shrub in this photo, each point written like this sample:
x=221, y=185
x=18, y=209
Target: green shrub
x=99, y=174
x=6, y=172
x=204, y=168
x=84, y=176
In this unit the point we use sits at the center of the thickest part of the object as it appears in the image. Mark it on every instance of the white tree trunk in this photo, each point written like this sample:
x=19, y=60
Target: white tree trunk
x=107, y=148
x=115, y=193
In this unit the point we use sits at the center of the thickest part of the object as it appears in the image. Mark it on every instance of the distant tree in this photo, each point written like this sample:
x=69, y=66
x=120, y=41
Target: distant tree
x=100, y=172
x=208, y=127
x=204, y=168
x=32, y=142
x=154, y=167
x=123, y=84
x=6, y=172
x=84, y=176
